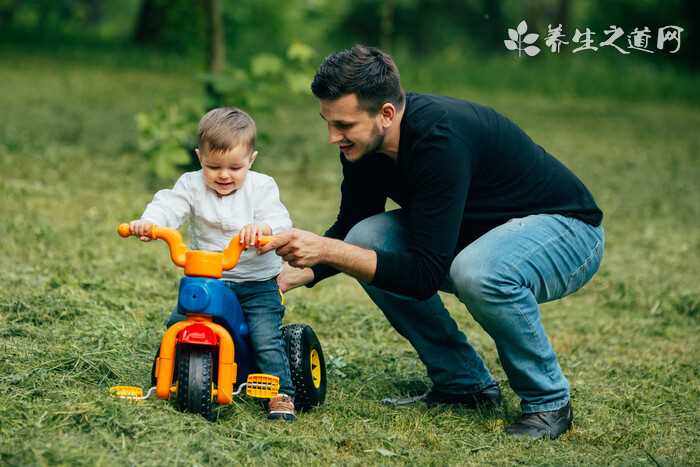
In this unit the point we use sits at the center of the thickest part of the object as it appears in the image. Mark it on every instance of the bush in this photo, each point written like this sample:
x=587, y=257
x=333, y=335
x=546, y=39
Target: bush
x=167, y=136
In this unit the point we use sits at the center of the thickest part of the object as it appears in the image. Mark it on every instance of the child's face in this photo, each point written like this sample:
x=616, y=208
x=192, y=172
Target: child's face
x=225, y=171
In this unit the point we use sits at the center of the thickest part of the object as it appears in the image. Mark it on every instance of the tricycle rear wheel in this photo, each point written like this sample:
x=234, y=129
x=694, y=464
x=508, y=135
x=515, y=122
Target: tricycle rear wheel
x=306, y=364
x=194, y=380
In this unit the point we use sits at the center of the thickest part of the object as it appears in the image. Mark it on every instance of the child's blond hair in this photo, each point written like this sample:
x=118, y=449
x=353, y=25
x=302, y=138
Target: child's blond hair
x=225, y=128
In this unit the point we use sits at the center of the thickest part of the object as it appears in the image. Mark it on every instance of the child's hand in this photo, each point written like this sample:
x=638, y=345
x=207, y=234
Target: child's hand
x=252, y=232
x=142, y=229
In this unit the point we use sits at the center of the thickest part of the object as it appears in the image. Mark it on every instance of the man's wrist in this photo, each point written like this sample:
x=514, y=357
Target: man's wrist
x=326, y=250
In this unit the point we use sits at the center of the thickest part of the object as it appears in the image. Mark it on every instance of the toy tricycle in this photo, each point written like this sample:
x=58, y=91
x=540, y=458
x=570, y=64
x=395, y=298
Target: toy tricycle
x=213, y=340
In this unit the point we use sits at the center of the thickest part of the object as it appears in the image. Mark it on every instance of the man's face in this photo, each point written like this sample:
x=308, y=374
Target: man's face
x=225, y=171
x=353, y=129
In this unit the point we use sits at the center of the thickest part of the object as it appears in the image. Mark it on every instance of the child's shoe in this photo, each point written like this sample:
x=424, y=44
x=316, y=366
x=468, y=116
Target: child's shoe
x=281, y=408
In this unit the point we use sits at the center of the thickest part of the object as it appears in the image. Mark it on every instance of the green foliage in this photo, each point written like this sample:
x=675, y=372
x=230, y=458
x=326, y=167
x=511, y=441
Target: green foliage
x=42, y=19
x=167, y=135
x=268, y=80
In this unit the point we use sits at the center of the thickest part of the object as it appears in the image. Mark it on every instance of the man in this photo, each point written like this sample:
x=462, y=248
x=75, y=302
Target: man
x=486, y=214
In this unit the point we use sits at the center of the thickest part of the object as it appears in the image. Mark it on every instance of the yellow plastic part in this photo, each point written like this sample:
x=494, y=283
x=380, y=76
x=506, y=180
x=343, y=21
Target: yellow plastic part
x=226, y=377
x=315, y=368
x=126, y=392
x=197, y=263
x=262, y=385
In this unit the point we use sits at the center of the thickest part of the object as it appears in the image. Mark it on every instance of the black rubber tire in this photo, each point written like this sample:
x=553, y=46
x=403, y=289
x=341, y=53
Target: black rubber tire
x=194, y=382
x=301, y=340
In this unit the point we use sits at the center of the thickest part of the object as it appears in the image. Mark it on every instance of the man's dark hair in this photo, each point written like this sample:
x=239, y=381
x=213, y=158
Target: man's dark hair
x=365, y=71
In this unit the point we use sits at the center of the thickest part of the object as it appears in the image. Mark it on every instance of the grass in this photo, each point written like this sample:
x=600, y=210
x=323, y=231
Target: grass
x=82, y=310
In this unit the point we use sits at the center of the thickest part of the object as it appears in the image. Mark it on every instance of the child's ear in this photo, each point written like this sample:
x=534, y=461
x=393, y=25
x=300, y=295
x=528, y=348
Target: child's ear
x=252, y=157
x=199, y=156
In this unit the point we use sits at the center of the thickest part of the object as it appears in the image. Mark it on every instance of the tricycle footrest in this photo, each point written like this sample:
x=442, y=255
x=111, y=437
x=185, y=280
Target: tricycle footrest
x=262, y=385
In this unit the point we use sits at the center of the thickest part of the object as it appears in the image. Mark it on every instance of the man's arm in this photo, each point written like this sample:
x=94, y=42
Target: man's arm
x=440, y=180
x=303, y=250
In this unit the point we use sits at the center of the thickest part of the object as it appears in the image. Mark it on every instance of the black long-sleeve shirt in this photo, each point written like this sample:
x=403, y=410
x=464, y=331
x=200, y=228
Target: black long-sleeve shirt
x=462, y=169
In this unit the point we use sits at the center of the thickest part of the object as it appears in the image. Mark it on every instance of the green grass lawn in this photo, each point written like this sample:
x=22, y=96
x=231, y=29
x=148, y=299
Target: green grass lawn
x=82, y=309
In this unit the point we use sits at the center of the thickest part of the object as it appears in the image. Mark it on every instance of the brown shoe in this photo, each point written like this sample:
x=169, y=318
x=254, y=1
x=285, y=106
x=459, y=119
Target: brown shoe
x=281, y=408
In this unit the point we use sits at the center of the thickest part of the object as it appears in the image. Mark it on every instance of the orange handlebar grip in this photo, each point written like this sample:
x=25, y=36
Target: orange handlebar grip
x=172, y=237
x=264, y=240
x=124, y=230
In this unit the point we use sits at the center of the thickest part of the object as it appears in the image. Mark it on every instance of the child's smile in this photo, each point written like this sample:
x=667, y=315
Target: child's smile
x=225, y=171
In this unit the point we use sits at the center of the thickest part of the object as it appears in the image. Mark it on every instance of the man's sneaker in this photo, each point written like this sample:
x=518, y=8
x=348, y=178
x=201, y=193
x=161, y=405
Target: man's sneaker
x=543, y=424
x=281, y=408
x=487, y=398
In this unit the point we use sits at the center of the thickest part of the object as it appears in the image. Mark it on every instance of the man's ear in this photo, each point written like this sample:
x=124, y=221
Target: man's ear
x=252, y=158
x=387, y=114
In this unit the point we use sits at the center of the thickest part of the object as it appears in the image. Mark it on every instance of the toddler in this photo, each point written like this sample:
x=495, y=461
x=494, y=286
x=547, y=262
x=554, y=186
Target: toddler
x=221, y=200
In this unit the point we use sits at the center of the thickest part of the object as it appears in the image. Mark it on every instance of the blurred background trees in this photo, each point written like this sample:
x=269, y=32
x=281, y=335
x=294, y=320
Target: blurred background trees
x=421, y=26
x=257, y=54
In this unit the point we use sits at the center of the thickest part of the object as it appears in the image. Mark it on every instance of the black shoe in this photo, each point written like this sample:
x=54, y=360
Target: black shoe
x=543, y=424
x=487, y=398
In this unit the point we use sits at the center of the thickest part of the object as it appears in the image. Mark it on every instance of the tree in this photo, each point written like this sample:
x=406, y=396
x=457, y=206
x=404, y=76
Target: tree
x=176, y=25
x=150, y=22
x=563, y=14
x=216, y=49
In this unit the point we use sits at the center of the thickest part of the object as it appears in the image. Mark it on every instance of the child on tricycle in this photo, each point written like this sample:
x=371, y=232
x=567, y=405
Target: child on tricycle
x=224, y=199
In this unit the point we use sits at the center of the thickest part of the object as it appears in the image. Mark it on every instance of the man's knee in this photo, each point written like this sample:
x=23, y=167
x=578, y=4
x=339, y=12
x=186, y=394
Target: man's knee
x=373, y=232
x=477, y=281
x=468, y=282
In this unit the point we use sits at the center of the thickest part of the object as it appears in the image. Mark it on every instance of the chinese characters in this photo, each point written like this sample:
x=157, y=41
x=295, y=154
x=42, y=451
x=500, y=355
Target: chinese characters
x=668, y=39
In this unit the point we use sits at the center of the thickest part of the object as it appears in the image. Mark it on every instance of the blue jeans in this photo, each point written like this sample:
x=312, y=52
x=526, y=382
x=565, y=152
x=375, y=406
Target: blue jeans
x=263, y=310
x=501, y=278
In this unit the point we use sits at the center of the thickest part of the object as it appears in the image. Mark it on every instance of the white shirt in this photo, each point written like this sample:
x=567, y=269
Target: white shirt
x=215, y=219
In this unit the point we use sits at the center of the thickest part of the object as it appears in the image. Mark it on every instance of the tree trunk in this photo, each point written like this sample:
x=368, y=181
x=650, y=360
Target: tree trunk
x=563, y=15
x=495, y=25
x=535, y=11
x=150, y=22
x=387, y=24
x=95, y=11
x=7, y=13
x=691, y=35
x=216, y=49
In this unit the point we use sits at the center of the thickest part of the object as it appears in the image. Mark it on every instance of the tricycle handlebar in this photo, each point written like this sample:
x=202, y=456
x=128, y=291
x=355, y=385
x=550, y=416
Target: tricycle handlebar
x=197, y=262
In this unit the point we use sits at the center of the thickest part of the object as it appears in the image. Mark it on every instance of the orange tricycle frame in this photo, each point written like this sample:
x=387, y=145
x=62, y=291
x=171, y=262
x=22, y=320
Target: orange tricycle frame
x=197, y=263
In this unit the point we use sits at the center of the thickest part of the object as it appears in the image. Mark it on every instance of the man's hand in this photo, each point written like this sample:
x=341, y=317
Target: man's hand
x=141, y=228
x=299, y=248
x=291, y=278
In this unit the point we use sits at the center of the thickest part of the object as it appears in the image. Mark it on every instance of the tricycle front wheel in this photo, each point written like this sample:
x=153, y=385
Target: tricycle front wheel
x=195, y=369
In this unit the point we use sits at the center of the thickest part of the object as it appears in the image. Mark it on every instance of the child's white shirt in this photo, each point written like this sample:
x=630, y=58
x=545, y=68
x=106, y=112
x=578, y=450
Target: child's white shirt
x=215, y=219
